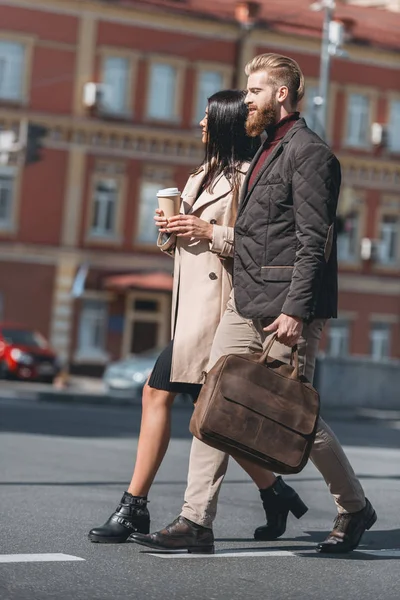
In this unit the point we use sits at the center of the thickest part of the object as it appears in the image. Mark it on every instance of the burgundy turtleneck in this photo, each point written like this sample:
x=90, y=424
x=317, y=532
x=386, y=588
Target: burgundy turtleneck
x=275, y=134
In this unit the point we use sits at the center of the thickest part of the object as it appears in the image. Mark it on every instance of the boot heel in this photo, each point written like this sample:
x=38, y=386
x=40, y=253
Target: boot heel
x=371, y=521
x=202, y=550
x=142, y=527
x=298, y=508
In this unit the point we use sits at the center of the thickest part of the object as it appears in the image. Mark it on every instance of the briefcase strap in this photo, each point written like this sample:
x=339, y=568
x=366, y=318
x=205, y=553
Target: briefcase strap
x=294, y=356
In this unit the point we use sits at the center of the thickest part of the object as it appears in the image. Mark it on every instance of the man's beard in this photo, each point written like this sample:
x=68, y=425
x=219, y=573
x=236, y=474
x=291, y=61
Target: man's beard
x=257, y=122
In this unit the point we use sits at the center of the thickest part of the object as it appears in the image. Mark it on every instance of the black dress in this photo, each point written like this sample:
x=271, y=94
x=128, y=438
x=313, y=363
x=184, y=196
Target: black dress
x=160, y=376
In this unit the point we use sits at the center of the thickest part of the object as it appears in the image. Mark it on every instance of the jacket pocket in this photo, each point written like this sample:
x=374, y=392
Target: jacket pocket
x=276, y=273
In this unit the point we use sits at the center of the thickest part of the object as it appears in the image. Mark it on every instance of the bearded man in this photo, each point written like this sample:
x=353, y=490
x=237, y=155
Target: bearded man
x=285, y=284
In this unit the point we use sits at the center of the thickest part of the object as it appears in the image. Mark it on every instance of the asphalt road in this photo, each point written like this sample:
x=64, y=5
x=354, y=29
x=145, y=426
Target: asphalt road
x=64, y=468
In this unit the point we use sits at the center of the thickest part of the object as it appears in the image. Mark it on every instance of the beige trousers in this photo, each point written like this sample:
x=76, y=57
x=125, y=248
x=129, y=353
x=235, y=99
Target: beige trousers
x=207, y=466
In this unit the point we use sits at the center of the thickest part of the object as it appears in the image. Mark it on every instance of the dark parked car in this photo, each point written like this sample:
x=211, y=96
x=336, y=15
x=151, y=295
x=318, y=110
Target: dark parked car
x=26, y=354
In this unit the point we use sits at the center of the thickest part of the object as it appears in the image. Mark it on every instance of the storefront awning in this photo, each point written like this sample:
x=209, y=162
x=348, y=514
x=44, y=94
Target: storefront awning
x=159, y=281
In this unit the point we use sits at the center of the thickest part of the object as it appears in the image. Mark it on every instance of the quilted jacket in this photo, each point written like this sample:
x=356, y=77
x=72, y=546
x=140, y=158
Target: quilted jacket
x=285, y=236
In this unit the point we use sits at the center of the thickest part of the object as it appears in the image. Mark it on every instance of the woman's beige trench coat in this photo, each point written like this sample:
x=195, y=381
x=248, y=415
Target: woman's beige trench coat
x=202, y=282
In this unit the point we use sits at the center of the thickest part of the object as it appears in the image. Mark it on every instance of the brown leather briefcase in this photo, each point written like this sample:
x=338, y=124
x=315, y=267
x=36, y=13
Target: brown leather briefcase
x=258, y=408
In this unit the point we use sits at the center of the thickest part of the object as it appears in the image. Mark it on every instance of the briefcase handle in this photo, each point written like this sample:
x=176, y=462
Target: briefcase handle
x=294, y=356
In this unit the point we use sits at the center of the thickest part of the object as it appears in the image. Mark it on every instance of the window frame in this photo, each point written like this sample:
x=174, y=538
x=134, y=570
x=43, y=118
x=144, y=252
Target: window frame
x=356, y=204
x=27, y=42
x=387, y=328
x=161, y=317
x=343, y=324
x=389, y=207
x=372, y=95
x=200, y=67
x=86, y=354
x=132, y=58
x=10, y=227
x=162, y=176
x=180, y=65
x=108, y=171
x=392, y=99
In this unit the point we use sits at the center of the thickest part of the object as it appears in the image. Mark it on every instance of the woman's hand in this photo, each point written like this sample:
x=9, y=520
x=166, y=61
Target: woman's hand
x=160, y=221
x=188, y=226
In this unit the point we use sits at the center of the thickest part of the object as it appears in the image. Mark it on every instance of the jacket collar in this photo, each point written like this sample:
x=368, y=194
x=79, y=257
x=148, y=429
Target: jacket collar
x=246, y=192
x=190, y=200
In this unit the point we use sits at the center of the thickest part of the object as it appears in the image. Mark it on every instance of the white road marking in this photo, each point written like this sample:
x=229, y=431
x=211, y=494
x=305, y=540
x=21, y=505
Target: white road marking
x=224, y=554
x=17, y=558
x=385, y=553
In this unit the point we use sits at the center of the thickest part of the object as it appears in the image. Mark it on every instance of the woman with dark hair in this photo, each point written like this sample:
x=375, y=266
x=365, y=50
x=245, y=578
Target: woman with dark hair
x=201, y=240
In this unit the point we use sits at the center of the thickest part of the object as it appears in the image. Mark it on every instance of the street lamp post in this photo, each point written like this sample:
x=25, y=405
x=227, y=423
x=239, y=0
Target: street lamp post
x=332, y=41
x=321, y=101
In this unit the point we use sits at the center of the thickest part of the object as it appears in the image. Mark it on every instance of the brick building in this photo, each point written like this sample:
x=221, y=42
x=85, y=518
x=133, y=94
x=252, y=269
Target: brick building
x=87, y=207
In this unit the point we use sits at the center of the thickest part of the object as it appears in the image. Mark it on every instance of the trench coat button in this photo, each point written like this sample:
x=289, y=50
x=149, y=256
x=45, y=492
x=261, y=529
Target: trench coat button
x=213, y=276
x=213, y=221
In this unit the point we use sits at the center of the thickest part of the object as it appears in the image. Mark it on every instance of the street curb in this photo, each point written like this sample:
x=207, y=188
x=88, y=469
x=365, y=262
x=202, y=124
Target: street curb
x=74, y=397
x=69, y=396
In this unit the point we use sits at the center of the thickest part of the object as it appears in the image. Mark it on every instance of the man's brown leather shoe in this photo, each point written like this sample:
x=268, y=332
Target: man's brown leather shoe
x=181, y=534
x=348, y=530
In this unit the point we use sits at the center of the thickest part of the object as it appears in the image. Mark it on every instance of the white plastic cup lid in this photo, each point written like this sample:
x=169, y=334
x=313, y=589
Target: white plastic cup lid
x=169, y=192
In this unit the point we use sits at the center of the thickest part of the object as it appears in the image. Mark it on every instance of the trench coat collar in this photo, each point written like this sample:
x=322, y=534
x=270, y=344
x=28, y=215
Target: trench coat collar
x=191, y=203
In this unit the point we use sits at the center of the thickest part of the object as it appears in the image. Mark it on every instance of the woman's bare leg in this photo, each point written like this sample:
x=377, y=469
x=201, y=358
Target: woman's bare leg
x=261, y=477
x=155, y=433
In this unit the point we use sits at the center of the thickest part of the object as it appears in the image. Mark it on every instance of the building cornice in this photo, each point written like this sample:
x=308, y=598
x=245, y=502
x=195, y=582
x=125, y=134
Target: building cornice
x=204, y=26
x=121, y=140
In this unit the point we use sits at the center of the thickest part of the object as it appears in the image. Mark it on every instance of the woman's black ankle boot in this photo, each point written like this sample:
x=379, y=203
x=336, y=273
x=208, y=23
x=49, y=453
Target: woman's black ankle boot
x=131, y=515
x=278, y=500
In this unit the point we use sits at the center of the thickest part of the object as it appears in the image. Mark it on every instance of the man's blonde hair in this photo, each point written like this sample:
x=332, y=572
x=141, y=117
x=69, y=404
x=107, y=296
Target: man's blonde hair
x=282, y=70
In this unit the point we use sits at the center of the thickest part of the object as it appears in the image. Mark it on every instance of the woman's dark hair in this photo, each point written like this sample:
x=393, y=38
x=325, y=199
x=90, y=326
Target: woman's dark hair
x=228, y=145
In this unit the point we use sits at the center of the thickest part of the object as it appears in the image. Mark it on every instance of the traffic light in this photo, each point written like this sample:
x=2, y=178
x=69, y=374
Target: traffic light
x=34, y=143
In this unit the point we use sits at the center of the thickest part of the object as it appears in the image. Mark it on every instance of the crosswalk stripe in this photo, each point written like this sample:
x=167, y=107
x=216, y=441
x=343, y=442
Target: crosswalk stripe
x=18, y=558
x=384, y=553
x=224, y=554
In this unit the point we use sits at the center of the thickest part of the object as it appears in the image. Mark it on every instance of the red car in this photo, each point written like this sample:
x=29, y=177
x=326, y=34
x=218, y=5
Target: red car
x=25, y=354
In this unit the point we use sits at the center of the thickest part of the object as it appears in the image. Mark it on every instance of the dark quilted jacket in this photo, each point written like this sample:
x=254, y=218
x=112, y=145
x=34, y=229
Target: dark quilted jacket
x=285, y=237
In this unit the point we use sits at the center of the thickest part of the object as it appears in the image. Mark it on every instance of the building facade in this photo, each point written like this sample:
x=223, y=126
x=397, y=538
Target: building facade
x=77, y=241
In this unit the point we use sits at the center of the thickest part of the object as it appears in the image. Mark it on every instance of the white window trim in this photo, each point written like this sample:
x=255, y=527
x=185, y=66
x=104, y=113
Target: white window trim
x=226, y=73
x=161, y=317
x=28, y=42
x=92, y=355
x=372, y=94
x=132, y=57
x=180, y=65
x=376, y=328
x=115, y=237
x=395, y=149
x=333, y=333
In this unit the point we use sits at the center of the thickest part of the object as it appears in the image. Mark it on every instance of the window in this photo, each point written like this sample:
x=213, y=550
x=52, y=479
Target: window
x=348, y=239
x=380, y=341
x=147, y=231
x=394, y=126
x=92, y=328
x=12, y=59
x=106, y=192
x=389, y=239
x=309, y=111
x=208, y=83
x=358, y=120
x=162, y=92
x=338, y=338
x=7, y=184
x=116, y=78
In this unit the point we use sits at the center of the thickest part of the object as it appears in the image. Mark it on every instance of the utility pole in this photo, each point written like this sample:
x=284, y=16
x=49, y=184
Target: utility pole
x=332, y=40
x=321, y=108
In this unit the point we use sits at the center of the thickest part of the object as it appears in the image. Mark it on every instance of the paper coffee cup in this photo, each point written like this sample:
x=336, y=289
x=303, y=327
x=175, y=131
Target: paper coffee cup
x=169, y=201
